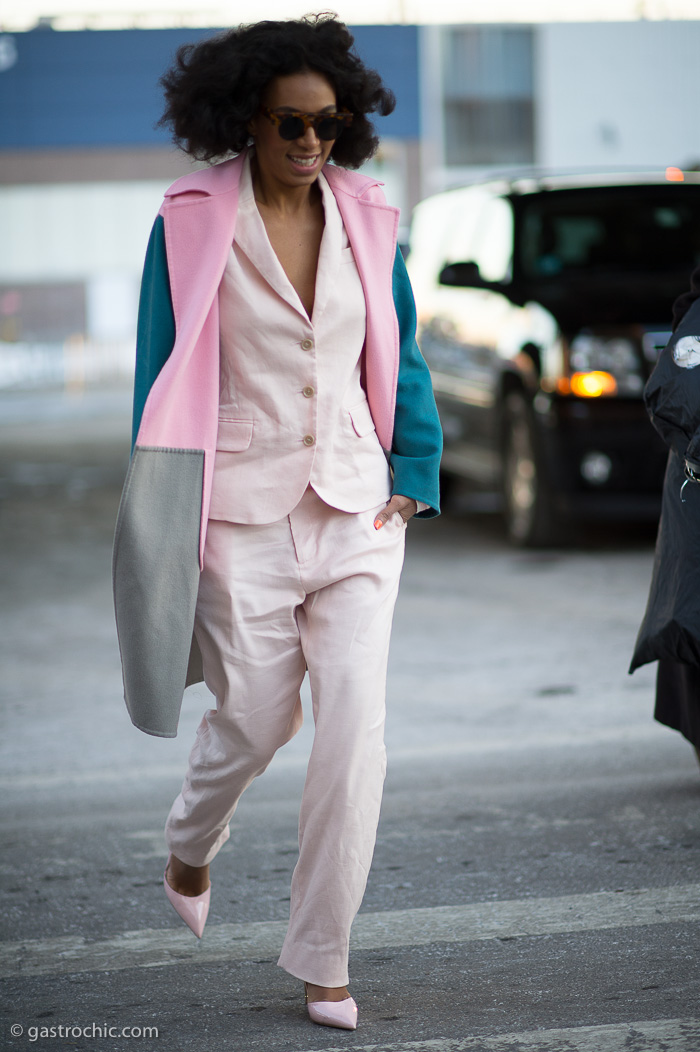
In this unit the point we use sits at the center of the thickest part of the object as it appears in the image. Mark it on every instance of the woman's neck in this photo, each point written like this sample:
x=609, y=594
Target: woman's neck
x=274, y=196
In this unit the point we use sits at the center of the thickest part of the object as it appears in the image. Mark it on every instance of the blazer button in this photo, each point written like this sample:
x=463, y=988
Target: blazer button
x=309, y=440
x=308, y=392
x=307, y=344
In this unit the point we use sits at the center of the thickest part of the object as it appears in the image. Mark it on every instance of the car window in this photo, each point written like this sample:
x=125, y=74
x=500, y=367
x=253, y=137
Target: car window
x=648, y=229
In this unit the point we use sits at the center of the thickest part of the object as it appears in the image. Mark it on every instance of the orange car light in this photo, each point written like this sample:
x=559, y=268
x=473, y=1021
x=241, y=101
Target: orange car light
x=593, y=385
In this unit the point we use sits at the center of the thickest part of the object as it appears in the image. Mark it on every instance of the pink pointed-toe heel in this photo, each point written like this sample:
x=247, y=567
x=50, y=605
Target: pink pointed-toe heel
x=192, y=909
x=342, y=1014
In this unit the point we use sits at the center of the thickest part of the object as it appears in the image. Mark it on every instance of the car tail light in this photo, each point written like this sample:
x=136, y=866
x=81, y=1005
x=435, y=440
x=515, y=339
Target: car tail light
x=602, y=366
x=589, y=385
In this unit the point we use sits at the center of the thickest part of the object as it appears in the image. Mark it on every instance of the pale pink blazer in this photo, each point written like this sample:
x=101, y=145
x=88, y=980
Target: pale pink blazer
x=292, y=411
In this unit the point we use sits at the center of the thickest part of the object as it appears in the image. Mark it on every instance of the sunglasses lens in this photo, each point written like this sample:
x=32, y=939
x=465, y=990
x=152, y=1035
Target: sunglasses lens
x=291, y=128
x=328, y=128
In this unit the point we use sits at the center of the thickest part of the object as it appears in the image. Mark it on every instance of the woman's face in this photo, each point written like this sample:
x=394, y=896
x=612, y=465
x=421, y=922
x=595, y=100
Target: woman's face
x=296, y=163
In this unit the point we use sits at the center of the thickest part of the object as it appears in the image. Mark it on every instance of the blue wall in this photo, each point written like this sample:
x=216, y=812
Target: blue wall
x=101, y=88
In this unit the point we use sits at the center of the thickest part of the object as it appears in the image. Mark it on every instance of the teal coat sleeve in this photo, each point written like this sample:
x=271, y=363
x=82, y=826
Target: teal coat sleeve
x=155, y=334
x=417, y=443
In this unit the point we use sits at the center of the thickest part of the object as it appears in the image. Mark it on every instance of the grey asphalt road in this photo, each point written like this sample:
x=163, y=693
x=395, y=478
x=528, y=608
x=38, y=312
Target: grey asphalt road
x=535, y=884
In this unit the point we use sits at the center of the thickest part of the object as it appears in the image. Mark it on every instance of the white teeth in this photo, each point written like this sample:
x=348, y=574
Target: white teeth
x=305, y=162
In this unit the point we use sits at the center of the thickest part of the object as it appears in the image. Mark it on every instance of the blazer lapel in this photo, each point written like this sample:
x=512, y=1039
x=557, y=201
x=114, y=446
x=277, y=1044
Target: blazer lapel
x=251, y=237
x=329, y=254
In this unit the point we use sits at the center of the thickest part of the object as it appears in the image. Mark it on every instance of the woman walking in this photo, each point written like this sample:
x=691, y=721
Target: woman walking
x=284, y=433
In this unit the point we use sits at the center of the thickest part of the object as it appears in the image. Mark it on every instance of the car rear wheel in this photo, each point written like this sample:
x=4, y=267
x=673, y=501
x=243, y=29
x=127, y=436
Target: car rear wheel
x=530, y=516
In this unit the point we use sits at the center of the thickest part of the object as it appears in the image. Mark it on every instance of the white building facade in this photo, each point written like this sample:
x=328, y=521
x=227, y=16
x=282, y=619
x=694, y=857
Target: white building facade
x=566, y=95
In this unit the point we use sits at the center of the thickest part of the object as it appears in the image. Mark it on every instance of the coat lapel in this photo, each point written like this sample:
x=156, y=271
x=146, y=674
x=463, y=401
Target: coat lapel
x=373, y=233
x=182, y=408
x=199, y=232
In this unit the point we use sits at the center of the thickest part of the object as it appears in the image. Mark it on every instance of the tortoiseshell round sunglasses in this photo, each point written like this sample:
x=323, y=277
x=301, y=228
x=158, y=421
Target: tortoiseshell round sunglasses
x=292, y=125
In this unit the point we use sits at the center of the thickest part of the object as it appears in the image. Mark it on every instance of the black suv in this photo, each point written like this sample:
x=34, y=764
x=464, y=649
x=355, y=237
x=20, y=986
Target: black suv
x=543, y=303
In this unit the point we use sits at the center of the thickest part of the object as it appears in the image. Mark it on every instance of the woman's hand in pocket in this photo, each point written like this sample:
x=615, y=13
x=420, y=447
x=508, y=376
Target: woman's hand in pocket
x=406, y=507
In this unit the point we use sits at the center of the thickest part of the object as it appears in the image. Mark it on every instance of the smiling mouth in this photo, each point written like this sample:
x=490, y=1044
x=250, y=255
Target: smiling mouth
x=305, y=162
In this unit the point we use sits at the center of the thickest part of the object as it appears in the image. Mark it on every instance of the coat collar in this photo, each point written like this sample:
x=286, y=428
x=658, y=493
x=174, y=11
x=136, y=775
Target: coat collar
x=224, y=177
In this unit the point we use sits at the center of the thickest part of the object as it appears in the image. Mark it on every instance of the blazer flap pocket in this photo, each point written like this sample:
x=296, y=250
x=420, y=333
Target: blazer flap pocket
x=362, y=419
x=234, y=435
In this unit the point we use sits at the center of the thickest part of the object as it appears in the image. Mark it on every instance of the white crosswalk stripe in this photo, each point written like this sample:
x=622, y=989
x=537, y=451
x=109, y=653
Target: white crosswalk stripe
x=663, y=1035
x=516, y=918
x=291, y=759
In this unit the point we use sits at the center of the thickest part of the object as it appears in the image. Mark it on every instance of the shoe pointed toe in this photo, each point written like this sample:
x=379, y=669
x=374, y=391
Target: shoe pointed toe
x=341, y=1014
x=192, y=909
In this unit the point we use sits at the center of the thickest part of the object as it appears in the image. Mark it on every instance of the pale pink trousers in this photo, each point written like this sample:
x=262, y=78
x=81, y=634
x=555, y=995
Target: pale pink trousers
x=316, y=589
